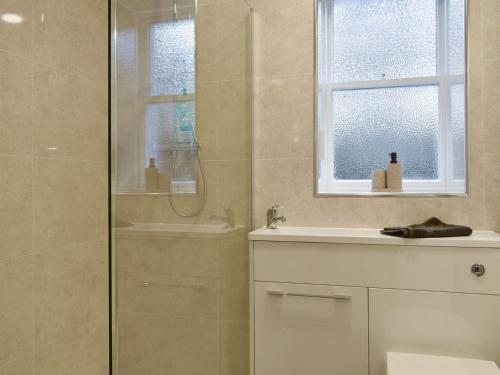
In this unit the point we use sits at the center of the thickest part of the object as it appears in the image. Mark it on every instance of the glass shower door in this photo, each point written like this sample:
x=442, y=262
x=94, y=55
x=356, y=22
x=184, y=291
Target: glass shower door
x=181, y=186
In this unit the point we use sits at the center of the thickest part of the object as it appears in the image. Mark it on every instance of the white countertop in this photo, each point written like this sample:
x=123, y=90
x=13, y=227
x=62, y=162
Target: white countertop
x=369, y=236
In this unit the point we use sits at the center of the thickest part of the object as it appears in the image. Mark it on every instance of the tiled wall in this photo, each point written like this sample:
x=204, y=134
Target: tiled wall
x=53, y=188
x=283, y=139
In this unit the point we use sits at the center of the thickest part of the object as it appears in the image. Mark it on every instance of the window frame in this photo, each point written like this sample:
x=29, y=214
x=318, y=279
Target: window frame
x=324, y=155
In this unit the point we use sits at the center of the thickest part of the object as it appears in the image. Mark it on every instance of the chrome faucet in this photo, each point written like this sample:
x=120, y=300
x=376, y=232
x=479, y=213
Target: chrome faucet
x=228, y=219
x=273, y=219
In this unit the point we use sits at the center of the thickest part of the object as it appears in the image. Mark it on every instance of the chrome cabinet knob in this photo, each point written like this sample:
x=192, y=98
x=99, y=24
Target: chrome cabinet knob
x=478, y=270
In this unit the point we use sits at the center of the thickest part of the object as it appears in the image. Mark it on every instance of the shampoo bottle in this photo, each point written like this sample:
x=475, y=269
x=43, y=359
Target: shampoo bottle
x=151, y=176
x=394, y=174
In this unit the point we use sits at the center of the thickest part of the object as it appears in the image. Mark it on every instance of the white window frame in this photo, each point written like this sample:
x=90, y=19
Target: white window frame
x=324, y=137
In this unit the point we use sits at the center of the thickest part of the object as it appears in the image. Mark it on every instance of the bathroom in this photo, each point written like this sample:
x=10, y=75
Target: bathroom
x=198, y=187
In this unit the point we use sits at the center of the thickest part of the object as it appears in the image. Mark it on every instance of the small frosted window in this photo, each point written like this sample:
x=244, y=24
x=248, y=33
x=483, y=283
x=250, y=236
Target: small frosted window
x=383, y=39
x=369, y=124
x=391, y=78
x=172, y=57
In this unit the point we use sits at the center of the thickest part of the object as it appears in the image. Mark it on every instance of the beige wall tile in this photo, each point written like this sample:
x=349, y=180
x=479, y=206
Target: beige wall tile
x=22, y=366
x=207, y=107
x=223, y=125
x=168, y=256
x=234, y=348
x=16, y=315
x=206, y=42
x=233, y=40
x=491, y=40
x=174, y=345
x=15, y=106
x=69, y=112
x=70, y=206
x=82, y=352
x=16, y=224
x=180, y=296
x=492, y=190
x=235, y=189
x=289, y=183
x=491, y=109
x=234, y=131
x=71, y=44
x=74, y=10
x=235, y=276
x=70, y=290
x=284, y=117
x=284, y=38
x=16, y=38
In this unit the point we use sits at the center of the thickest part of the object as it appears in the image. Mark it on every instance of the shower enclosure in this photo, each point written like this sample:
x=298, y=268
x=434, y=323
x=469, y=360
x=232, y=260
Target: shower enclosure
x=181, y=176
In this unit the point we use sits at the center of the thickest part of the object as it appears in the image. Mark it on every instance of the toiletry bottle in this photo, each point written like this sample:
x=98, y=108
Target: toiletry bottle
x=184, y=116
x=151, y=176
x=379, y=180
x=394, y=174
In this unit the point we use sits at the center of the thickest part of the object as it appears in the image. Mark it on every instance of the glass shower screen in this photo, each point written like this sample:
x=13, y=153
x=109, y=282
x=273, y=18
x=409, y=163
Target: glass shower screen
x=181, y=178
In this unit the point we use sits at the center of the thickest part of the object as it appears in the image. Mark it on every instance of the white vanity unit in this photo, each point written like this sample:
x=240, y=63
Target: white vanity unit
x=330, y=301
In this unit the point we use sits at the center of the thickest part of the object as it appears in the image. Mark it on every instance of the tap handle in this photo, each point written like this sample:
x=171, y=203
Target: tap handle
x=273, y=211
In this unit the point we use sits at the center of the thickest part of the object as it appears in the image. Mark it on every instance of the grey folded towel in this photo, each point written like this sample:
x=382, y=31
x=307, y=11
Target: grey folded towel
x=429, y=228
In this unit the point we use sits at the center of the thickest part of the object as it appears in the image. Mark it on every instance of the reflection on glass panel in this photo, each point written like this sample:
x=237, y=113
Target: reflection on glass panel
x=384, y=39
x=458, y=130
x=172, y=49
x=456, y=36
x=369, y=124
x=166, y=124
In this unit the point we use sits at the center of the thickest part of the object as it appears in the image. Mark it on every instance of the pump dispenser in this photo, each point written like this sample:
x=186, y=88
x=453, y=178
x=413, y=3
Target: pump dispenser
x=394, y=174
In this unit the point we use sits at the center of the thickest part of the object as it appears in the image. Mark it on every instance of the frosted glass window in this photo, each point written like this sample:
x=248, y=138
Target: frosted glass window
x=370, y=124
x=172, y=57
x=391, y=78
x=384, y=39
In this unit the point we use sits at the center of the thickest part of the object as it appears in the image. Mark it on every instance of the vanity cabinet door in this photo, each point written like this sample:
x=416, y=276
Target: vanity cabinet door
x=448, y=324
x=310, y=329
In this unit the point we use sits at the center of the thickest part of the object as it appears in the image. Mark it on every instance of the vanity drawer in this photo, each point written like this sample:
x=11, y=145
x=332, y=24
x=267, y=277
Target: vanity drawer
x=381, y=266
x=310, y=329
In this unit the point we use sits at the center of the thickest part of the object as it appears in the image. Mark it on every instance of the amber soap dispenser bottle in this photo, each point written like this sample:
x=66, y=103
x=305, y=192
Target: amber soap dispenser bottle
x=394, y=174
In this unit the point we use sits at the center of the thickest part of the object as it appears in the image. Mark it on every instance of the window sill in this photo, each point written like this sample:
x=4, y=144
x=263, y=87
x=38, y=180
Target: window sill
x=391, y=194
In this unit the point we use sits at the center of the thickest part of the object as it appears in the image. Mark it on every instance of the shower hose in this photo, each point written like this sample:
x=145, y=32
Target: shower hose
x=203, y=198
